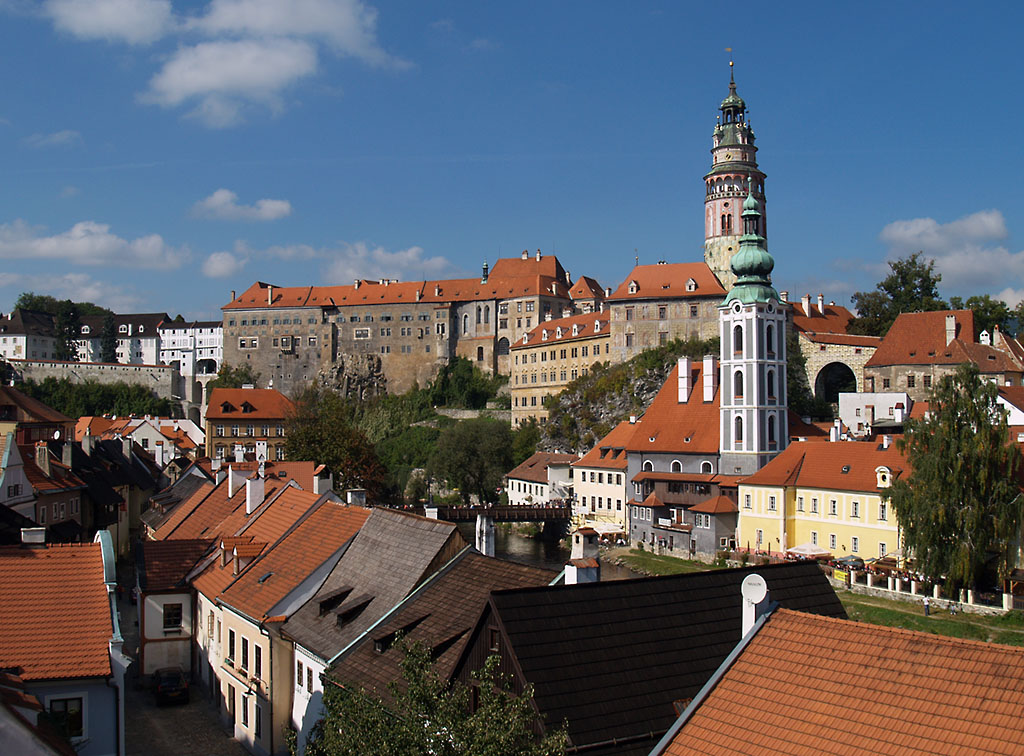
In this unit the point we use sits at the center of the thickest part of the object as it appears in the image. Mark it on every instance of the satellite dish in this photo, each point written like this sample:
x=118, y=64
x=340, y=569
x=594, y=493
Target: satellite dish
x=754, y=588
x=56, y=435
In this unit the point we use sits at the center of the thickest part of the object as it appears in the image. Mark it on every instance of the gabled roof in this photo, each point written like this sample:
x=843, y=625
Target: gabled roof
x=839, y=466
x=248, y=405
x=919, y=338
x=163, y=565
x=668, y=281
x=611, y=658
x=392, y=553
x=27, y=323
x=55, y=618
x=535, y=469
x=807, y=685
x=439, y=614
x=716, y=505
x=832, y=318
x=142, y=324
x=560, y=330
x=610, y=451
x=18, y=406
x=691, y=427
x=60, y=477
x=586, y=288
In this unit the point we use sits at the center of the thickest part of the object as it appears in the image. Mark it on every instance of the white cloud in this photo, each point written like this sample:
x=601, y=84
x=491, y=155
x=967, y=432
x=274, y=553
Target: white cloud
x=349, y=27
x=224, y=76
x=223, y=264
x=88, y=243
x=360, y=260
x=132, y=21
x=223, y=205
x=77, y=286
x=69, y=191
x=56, y=139
x=964, y=251
x=482, y=44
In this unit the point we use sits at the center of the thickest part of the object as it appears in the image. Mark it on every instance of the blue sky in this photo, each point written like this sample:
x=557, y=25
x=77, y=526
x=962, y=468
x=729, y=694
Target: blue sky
x=156, y=154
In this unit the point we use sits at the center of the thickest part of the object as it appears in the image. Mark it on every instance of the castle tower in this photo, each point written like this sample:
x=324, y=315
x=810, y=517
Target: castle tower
x=733, y=161
x=754, y=425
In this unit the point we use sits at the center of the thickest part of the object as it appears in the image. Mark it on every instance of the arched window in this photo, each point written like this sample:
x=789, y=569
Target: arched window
x=737, y=385
x=677, y=466
x=503, y=346
x=771, y=431
x=706, y=468
x=479, y=354
x=487, y=313
x=770, y=338
x=737, y=339
x=478, y=314
x=648, y=466
x=738, y=434
x=771, y=385
x=465, y=323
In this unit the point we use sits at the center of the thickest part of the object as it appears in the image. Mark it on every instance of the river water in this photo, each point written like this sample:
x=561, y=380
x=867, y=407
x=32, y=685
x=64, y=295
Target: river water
x=550, y=555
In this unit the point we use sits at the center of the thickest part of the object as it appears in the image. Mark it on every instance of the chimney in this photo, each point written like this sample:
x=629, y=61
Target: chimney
x=270, y=295
x=323, y=483
x=126, y=447
x=607, y=291
x=87, y=444
x=261, y=451
x=538, y=254
x=547, y=316
x=43, y=457
x=437, y=291
x=234, y=481
x=685, y=380
x=710, y=377
x=67, y=451
x=232, y=295
x=950, y=328
x=583, y=566
x=886, y=441
x=255, y=492
x=357, y=283
x=632, y=419
x=239, y=453
x=33, y=538
x=985, y=338
x=897, y=412
x=805, y=300
x=419, y=294
x=833, y=432
x=784, y=296
x=220, y=473
x=483, y=277
x=755, y=600
x=821, y=303
x=526, y=254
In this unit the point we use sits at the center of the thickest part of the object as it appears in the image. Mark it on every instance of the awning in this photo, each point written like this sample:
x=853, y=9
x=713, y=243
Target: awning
x=809, y=551
x=603, y=528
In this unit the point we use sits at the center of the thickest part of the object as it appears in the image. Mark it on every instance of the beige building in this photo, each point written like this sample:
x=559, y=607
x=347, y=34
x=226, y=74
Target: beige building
x=600, y=494
x=659, y=303
x=549, y=357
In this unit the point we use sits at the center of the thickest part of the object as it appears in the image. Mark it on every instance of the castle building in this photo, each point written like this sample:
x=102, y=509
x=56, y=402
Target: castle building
x=733, y=164
x=753, y=413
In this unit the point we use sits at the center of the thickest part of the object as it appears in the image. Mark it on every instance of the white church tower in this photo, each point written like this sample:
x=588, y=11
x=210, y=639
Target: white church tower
x=753, y=334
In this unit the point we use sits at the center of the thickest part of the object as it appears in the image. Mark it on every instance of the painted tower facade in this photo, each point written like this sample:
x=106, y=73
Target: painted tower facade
x=733, y=162
x=754, y=426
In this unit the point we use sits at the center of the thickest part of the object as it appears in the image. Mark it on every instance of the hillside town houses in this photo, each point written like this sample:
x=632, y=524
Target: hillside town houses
x=267, y=586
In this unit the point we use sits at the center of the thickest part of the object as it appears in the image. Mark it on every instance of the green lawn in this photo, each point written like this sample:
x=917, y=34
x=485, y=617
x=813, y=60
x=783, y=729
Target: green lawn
x=658, y=564
x=1008, y=628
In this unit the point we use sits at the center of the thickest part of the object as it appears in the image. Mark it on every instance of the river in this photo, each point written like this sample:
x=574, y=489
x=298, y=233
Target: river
x=550, y=555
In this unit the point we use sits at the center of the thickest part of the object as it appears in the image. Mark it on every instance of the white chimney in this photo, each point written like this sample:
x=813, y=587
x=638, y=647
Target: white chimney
x=255, y=491
x=234, y=481
x=985, y=338
x=261, y=450
x=833, y=432
x=239, y=453
x=538, y=254
x=755, y=600
x=270, y=295
x=632, y=419
x=821, y=303
x=897, y=412
x=685, y=380
x=950, y=328
x=43, y=457
x=323, y=484
x=526, y=254
x=886, y=441
x=784, y=296
x=710, y=377
x=805, y=300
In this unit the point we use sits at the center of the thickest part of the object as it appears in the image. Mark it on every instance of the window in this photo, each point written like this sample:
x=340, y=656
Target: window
x=209, y=625
x=927, y=381
x=855, y=509
x=885, y=383
x=759, y=536
x=245, y=653
x=693, y=311
x=881, y=549
x=66, y=716
x=814, y=505
x=662, y=312
x=172, y=616
x=298, y=675
x=245, y=711
x=258, y=723
x=746, y=501
x=771, y=503
x=854, y=544
x=799, y=503
x=258, y=662
x=833, y=508
x=629, y=313
x=911, y=380
x=882, y=512
x=218, y=631
x=361, y=333
x=832, y=541
x=309, y=679
x=231, y=646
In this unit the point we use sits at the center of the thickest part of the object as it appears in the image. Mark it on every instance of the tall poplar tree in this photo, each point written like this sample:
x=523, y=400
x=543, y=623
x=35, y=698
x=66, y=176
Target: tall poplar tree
x=961, y=504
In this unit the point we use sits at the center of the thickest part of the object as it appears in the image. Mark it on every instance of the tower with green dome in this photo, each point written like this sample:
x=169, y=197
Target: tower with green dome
x=752, y=322
x=733, y=163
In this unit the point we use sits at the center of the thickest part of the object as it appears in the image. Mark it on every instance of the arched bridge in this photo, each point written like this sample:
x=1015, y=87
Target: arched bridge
x=485, y=517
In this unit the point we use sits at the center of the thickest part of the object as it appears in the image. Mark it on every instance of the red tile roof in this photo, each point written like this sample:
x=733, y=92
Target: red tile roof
x=586, y=288
x=844, y=339
x=164, y=564
x=669, y=281
x=840, y=465
x=535, y=469
x=691, y=427
x=264, y=404
x=54, y=612
x=919, y=338
x=588, y=325
x=807, y=685
x=60, y=478
x=716, y=505
x=615, y=441
x=834, y=318
x=29, y=410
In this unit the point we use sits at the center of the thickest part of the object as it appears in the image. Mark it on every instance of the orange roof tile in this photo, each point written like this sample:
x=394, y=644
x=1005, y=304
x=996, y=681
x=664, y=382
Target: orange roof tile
x=183, y=510
x=535, y=469
x=60, y=478
x=165, y=564
x=844, y=339
x=809, y=685
x=668, y=425
x=586, y=288
x=559, y=330
x=919, y=338
x=54, y=612
x=833, y=319
x=716, y=505
x=669, y=281
x=610, y=451
x=263, y=404
x=840, y=466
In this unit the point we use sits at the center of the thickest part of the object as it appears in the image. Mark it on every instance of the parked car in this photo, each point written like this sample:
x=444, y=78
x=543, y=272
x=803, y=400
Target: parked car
x=170, y=685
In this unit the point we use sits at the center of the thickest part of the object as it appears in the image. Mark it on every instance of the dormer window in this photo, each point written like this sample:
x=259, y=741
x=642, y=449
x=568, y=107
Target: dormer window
x=227, y=407
x=122, y=328
x=691, y=285
x=544, y=335
x=575, y=329
x=142, y=328
x=247, y=408
x=558, y=332
x=884, y=476
x=86, y=329
x=634, y=287
x=597, y=326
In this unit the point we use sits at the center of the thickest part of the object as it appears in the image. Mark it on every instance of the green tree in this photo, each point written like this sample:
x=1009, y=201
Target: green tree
x=524, y=441
x=108, y=340
x=90, y=398
x=961, y=503
x=911, y=286
x=800, y=397
x=429, y=716
x=320, y=430
x=67, y=325
x=474, y=456
x=988, y=312
x=44, y=303
x=235, y=377
x=461, y=384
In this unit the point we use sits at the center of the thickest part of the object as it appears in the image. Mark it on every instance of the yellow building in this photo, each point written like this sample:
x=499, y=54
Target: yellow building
x=828, y=495
x=552, y=355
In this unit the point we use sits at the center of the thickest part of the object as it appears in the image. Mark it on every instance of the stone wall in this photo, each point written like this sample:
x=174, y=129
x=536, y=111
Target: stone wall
x=638, y=325
x=163, y=380
x=819, y=356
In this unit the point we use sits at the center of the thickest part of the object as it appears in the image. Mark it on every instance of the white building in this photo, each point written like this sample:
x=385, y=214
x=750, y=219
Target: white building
x=600, y=498
x=194, y=348
x=860, y=411
x=138, y=338
x=27, y=335
x=545, y=478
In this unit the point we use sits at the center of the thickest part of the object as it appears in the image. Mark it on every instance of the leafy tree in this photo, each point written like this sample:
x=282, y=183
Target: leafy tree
x=231, y=377
x=474, y=456
x=108, y=340
x=988, y=312
x=461, y=384
x=67, y=325
x=524, y=441
x=429, y=716
x=90, y=398
x=800, y=397
x=405, y=451
x=44, y=303
x=961, y=503
x=320, y=429
x=911, y=286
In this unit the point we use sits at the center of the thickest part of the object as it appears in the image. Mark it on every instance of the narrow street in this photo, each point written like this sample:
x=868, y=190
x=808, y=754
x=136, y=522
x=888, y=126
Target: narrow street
x=192, y=729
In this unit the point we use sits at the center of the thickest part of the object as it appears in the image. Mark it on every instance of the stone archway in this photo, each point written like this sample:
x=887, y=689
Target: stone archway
x=833, y=379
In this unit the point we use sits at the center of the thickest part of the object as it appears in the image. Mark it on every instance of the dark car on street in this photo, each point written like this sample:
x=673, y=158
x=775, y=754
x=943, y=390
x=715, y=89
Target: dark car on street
x=170, y=685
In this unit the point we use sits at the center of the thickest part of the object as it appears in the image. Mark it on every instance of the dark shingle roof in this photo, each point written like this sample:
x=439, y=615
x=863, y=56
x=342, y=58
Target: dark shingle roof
x=611, y=658
x=163, y=565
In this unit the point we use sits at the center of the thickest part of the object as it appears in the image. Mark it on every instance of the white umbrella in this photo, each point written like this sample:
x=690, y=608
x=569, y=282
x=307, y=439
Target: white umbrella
x=808, y=551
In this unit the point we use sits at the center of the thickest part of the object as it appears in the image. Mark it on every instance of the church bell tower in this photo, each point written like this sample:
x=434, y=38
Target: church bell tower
x=733, y=162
